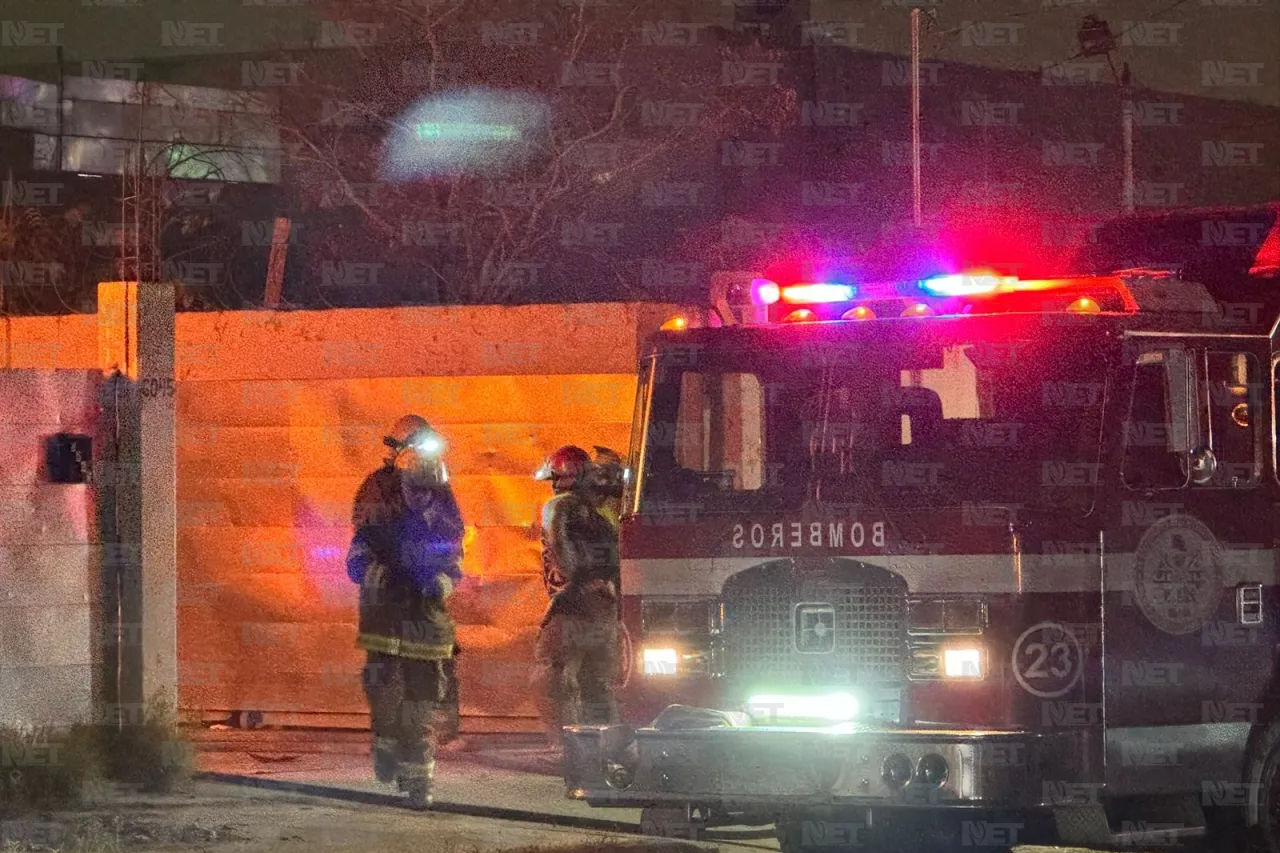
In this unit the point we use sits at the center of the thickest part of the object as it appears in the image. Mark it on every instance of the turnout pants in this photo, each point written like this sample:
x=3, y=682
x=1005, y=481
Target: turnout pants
x=451, y=727
x=577, y=659
x=403, y=694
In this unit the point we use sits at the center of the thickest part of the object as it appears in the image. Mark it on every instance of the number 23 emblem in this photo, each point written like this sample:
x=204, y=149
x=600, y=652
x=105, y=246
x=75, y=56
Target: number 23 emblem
x=1047, y=660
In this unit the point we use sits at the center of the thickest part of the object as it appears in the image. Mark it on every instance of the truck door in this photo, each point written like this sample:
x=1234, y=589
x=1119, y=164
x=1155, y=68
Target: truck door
x=1187, y=545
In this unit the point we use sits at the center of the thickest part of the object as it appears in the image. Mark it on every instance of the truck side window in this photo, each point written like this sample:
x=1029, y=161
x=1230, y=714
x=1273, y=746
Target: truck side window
x=1234, y=408
x=1155, y=429
x=720, y=430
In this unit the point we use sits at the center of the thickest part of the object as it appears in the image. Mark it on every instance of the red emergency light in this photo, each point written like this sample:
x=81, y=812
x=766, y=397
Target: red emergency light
x=1267, y=262
x=807, y=294
x=766, y=292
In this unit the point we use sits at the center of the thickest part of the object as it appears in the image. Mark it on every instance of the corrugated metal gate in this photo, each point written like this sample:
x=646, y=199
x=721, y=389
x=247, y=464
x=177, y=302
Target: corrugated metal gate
x=272, y=450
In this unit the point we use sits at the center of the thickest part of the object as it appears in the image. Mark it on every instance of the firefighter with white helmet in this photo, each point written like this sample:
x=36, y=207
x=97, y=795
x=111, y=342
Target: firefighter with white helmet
x=577, y=651
x=406, y=556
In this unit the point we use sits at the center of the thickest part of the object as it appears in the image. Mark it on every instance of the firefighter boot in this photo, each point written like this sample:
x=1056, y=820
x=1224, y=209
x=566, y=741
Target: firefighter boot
x=418, y=786
x=385, y=764
x=417, y=752
x=382, y=688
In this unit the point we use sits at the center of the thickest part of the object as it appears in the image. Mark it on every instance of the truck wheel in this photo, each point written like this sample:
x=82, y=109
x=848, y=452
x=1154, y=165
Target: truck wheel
x=1261, y=818
x=669, y=822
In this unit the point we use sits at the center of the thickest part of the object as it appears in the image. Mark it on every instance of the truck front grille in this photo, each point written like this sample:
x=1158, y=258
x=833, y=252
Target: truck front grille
x=782, y=629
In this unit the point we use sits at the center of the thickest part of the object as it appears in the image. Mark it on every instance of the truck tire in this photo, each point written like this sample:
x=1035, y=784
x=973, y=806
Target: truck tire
x=1258, y=827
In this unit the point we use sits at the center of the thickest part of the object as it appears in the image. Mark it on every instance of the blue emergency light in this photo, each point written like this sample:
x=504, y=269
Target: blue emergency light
x=966, y=285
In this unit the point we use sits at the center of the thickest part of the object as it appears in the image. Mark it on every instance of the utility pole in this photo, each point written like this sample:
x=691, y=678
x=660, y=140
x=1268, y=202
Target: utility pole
x=139, y=216
x=1127, y=93
x=275, y=263
x=917, y=207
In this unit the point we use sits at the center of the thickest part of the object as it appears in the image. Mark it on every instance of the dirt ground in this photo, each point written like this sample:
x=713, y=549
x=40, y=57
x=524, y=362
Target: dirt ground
x=315, y=795
x=230, y=818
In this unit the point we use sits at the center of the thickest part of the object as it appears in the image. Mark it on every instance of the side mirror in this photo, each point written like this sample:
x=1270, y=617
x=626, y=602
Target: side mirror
x=1203, y=465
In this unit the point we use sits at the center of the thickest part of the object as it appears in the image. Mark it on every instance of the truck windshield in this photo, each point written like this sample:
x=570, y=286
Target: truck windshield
x=912, y=421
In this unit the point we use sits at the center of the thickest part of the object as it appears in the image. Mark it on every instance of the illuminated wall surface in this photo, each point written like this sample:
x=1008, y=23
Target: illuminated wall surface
x=281, y=416
x=45, y=555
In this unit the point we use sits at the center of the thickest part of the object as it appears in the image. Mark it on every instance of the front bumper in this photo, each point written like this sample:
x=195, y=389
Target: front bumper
x=777, y=768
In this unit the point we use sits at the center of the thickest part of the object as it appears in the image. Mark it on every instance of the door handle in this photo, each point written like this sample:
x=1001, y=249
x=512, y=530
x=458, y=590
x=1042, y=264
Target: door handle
x=1249, y=604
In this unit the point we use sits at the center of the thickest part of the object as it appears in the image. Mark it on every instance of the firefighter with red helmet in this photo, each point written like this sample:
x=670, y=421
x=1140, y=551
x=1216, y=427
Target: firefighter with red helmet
x=577, y=651
x=406, y=557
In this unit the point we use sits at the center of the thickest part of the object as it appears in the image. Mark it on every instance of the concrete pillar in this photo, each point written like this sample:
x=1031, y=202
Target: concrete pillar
x=138, y=493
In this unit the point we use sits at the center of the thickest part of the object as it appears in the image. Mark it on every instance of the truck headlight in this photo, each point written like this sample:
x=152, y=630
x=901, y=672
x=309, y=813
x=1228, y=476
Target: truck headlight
x=944, y=637
x=963, y=662
x=660, y=661
x=674, y=659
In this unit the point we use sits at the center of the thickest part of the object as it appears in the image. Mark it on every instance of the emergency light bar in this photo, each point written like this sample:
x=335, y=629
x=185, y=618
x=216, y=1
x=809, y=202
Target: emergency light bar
x=967, y=293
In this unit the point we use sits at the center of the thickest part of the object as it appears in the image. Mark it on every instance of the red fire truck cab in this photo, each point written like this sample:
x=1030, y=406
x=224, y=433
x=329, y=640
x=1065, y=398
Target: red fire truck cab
x=977, y=559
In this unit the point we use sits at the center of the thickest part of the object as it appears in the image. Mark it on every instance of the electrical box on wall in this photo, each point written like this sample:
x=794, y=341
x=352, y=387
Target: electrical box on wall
x=69, y=458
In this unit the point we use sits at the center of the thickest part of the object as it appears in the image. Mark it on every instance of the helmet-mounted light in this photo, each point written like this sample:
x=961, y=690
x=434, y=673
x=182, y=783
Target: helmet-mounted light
x=427, y=445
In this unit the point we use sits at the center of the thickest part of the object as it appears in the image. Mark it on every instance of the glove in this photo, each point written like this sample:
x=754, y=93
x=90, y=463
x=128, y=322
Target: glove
x=358, y=559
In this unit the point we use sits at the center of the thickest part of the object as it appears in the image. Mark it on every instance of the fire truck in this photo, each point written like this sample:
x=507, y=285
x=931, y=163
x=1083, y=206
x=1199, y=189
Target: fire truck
x=977, y=559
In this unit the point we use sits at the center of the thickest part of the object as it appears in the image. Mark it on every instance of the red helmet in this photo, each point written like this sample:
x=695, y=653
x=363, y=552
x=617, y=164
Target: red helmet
x=565, y=468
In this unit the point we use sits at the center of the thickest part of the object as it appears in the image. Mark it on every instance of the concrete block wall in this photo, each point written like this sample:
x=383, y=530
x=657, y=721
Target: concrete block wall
x=47, y=559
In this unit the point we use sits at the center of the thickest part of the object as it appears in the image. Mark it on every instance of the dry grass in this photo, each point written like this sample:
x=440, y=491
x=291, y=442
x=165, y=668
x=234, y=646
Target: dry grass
x=152, y=753
x=45, y=769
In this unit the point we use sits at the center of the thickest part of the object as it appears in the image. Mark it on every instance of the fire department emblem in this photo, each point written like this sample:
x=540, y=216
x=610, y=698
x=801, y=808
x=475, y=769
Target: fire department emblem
x=815, y=629
x=1178, y=574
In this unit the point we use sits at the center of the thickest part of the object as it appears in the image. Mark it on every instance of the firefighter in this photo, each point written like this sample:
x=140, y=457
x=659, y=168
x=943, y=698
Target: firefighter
x=577, y=650
x=406, y=557
x=609, y=478
x=378, y=500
